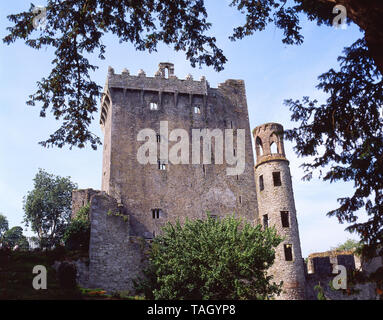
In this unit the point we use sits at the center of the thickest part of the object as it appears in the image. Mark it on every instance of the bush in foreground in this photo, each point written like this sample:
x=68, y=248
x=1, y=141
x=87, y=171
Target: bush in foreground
x=211, y=259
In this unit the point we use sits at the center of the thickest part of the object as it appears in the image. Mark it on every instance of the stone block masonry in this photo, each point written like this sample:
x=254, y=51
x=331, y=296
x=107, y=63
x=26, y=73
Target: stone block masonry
x=132, y=103
x=276, y=207
x=115, y=257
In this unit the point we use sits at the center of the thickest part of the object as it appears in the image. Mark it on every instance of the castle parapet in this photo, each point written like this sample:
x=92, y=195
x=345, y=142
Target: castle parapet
x=269, y=142
x=159, y=82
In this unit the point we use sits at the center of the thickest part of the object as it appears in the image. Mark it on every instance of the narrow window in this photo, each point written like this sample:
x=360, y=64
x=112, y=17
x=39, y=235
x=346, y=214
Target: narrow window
x=161, y=165
x=231, y=124
x=259, y=148
x=240, y=199
x=265, y=221
x=156, y=213
x=285, y=219
x=158, y=137
x=234, y=153
x=273, y=148
x=225, y=123
x=237, y=177
x=261, y=185
x=277, y=179
x=197, y=109
x=204, y=170
x=288, y=252
x=153, y=106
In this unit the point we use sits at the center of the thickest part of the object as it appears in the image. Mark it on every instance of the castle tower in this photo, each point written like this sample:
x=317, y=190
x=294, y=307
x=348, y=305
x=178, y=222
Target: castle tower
x=277, y=208
x=154, y=194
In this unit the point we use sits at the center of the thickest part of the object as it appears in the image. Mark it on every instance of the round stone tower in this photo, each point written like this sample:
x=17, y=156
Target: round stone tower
x=277, y=208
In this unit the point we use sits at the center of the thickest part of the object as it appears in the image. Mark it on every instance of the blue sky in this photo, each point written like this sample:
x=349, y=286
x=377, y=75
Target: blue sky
x=272, y=72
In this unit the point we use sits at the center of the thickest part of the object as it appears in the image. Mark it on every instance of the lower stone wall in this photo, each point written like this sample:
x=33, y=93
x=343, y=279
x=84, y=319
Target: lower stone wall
x=82, y=270
x=366, y=291
x=321, y=265
x=82, y=267
x=115, y=257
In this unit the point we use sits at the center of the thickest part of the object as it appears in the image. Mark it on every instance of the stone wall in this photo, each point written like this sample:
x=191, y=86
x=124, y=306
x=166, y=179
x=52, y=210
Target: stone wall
x=320, y=267
x=115, y=257
x=273, y=199
x=184, y=190
x=81, y=198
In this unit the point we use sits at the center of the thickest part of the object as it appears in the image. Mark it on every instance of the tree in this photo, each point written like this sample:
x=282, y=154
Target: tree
x=74, y=28
x=348, y=245
x=285, y=16
x=211, y=259
x=344, y=137
x=3, y=225
x=14, y=236
x=48, y=207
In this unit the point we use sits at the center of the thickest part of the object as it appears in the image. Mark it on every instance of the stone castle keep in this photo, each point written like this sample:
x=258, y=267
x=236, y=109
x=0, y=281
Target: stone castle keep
x=136, y=200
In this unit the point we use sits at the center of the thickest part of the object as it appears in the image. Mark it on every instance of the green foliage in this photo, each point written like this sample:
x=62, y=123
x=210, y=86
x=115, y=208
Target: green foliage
x=211, y=259
x=126, y=295
x=13, y=237
x=77, y=234
x=320, y=294
x=3, y=225
x=284, y=17
x=75, y=29
x=348, y=245
x=118, y=214
x=345, y=137
x=47, y=207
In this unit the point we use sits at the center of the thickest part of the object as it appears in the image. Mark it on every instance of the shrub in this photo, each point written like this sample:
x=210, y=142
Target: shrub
x=211, y=259
x=77, y=234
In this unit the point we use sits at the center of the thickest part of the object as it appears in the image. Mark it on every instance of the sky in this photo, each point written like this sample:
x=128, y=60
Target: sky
x=272, y=72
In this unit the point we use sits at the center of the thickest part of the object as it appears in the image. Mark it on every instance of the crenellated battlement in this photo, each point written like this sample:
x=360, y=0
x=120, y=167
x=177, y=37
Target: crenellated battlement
x=165, y=82
x=159, y=82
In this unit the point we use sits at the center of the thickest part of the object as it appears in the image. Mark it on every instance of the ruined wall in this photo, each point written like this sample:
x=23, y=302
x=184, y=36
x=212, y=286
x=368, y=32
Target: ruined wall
x=320, y=267
x=81, y=198
x=115, y=258
x=184, y=190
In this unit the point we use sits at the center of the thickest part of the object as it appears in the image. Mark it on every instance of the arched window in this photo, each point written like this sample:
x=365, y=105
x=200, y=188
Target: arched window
x=258, y=146
x=274, y=144
x=273, y=148
x=153, y=106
